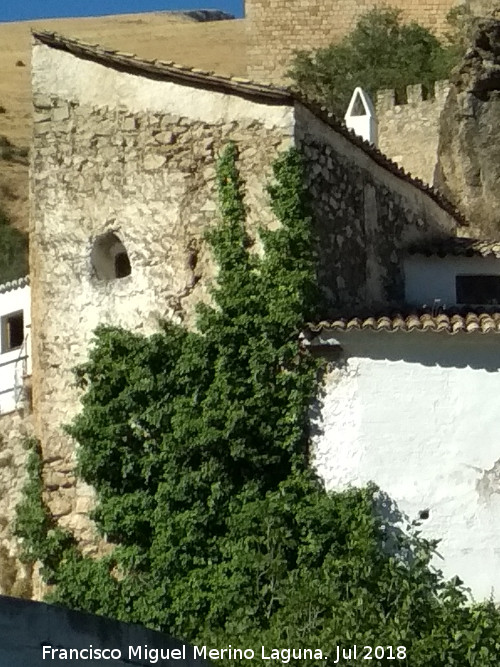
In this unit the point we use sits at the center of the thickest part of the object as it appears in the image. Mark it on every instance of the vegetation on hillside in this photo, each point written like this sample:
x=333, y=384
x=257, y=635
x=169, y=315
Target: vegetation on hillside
x=13, y=251
x=197, y=445
x=381, y=52
x=13, y=243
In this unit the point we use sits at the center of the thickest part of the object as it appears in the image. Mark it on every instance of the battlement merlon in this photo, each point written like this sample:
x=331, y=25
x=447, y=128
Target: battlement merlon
x=415, y=94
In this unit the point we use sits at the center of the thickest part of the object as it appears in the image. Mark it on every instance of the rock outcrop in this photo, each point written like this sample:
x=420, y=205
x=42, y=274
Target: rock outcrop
x=468, y=169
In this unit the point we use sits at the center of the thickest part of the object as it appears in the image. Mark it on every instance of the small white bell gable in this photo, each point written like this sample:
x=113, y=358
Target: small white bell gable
x=360, y=116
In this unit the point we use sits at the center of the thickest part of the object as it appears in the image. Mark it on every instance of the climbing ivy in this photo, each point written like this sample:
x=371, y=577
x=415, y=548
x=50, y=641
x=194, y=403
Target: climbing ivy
x=42, y=539
x=196, y=443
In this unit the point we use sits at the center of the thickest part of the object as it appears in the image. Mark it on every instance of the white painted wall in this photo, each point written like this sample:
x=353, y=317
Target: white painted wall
x=90, y=83
x=433, y=278
x=13, y=364
x=418, y=414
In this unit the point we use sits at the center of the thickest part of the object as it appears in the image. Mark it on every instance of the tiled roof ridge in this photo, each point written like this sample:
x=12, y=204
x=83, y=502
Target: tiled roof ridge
x=452, y=322
x=245, y=87
x=14, y=284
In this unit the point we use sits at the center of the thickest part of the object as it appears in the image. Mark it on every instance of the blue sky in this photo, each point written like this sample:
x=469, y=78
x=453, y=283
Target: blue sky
x=20, y=10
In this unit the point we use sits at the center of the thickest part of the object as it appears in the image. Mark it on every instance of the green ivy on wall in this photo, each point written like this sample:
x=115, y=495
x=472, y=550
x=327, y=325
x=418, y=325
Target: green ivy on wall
x=196, y=443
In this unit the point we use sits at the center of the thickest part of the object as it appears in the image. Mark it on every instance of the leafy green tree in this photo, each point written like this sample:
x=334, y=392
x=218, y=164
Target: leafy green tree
x=197, y=445
x=381, y=52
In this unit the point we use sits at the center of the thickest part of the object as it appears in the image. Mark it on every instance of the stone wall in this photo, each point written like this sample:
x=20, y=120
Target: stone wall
x=115, y=152
x=408, y=132
x=277, y=28
x=15, y=427
x=366, y=217
x=469, y=156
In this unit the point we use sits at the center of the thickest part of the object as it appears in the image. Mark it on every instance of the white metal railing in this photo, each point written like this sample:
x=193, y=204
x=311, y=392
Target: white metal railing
x=21, y=371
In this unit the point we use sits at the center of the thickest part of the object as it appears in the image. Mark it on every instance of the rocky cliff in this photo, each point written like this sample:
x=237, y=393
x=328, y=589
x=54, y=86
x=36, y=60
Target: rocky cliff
x=468, y=169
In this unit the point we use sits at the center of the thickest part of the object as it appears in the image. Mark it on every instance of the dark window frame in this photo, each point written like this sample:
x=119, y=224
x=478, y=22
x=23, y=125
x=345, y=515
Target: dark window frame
x=12, y=331
x=480, y=289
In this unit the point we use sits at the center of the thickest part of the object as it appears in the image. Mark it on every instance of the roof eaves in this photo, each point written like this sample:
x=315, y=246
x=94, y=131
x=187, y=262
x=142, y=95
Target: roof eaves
x=14, y=284
x=168, y=70
x=451, y=323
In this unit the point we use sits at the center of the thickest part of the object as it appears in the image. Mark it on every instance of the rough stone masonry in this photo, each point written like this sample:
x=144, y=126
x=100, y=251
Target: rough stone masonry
x=126, y=148
x=469, y=146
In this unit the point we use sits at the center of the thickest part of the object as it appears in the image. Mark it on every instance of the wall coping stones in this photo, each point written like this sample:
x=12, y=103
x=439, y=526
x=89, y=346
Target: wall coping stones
x=257, y=92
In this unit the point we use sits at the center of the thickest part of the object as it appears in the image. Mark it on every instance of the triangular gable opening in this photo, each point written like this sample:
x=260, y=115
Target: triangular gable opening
x=360, y=105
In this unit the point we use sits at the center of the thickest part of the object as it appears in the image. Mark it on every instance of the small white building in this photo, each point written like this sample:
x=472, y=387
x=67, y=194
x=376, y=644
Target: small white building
x=412, y=403
x=15, y=345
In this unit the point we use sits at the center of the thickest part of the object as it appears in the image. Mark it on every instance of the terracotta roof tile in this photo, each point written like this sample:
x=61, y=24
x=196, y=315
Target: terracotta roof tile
x=14, y=284
x=458, y=246
x=451, y=323
x=267, y=93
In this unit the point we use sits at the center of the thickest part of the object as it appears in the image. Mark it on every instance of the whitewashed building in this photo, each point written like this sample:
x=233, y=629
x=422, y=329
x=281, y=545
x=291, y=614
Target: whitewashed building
x=412, y=403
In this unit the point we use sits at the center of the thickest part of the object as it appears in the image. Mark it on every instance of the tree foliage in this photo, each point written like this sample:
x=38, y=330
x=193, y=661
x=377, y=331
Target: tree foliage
x=197, y=445
x=381, y=52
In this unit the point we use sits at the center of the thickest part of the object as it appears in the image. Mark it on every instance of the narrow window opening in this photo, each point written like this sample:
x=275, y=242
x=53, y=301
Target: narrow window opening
x=109, y=258
x=479, y=289
x=12, y=331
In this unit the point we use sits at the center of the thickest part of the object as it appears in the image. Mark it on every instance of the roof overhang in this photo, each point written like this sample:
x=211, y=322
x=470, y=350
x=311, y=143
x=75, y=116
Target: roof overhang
x=452, y=323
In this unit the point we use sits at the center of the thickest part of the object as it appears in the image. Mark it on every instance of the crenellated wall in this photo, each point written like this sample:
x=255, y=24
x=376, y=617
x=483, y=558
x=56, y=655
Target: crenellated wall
x=408, y=132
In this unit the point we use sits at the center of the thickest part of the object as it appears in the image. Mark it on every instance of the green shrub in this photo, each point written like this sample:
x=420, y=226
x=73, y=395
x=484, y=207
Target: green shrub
x=381, y=52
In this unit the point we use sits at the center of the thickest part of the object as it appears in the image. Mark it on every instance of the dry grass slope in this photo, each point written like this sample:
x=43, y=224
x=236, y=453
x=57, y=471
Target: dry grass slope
x=219, y=46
